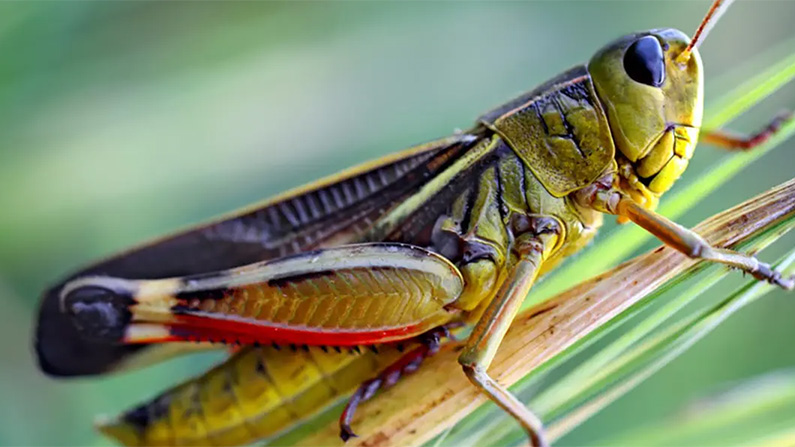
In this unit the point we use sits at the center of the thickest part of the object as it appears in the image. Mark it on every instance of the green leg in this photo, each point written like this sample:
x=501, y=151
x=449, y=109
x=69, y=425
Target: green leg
x=529, y=252
x=694, y=246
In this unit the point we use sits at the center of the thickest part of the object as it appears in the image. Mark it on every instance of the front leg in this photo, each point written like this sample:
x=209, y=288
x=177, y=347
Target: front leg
x=738, y=142
x=529, y=250
x=608, y=199
x=694, y=246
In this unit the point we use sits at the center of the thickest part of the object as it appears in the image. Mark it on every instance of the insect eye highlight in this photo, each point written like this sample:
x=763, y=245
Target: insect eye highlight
x=644, y=61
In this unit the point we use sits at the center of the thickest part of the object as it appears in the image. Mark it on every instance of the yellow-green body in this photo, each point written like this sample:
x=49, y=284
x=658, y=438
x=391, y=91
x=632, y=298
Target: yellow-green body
x=549, y=153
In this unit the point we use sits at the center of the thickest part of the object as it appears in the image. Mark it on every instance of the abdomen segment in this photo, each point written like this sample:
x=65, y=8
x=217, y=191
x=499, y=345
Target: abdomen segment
x=256, y=394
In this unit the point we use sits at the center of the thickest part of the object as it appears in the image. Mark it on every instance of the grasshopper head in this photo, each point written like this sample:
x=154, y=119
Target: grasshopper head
x=654, y=101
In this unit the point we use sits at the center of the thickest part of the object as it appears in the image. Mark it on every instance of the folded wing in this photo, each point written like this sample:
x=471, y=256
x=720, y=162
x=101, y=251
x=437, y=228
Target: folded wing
x=343, y=296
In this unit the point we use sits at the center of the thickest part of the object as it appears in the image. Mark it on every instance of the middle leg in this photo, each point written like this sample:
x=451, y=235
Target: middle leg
x=528, y=253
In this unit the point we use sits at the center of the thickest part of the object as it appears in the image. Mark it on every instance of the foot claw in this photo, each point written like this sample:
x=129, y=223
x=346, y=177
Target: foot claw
x=765, y=273
x=785, y=283
x=346, y=433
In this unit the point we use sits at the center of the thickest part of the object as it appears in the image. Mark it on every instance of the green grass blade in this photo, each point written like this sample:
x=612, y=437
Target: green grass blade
x=650, y=356
x=660, y=351
x=751, y=92
x=579, y=380
x=588, y=372
x=758, y=411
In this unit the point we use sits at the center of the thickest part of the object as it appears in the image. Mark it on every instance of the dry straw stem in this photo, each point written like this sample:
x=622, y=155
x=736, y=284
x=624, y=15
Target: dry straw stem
x=425, y=404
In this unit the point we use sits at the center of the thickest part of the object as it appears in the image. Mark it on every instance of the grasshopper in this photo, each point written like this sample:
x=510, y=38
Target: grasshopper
x=395, y=254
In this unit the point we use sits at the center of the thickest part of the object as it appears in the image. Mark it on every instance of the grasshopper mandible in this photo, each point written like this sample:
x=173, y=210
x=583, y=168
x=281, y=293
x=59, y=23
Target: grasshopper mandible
x=394, y=254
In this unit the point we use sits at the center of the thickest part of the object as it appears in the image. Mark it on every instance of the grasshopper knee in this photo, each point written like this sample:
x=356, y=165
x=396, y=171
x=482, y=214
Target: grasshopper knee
x=474, y=373
x=696, y=248
x=98, y=312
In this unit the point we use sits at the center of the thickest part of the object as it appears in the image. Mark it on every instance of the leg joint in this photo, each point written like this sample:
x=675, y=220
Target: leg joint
x=474, y=373
x=534, y=234
x=534, y=224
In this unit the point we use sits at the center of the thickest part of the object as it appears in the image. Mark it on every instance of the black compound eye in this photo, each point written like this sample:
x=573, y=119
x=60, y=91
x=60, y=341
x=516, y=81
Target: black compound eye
x=644, y=61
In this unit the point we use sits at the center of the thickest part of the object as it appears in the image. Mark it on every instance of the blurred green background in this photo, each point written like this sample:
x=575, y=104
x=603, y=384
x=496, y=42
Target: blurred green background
x=124, y=121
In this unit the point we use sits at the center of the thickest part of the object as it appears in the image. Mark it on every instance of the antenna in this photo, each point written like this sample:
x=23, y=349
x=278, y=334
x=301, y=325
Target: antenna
x=715, y=11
